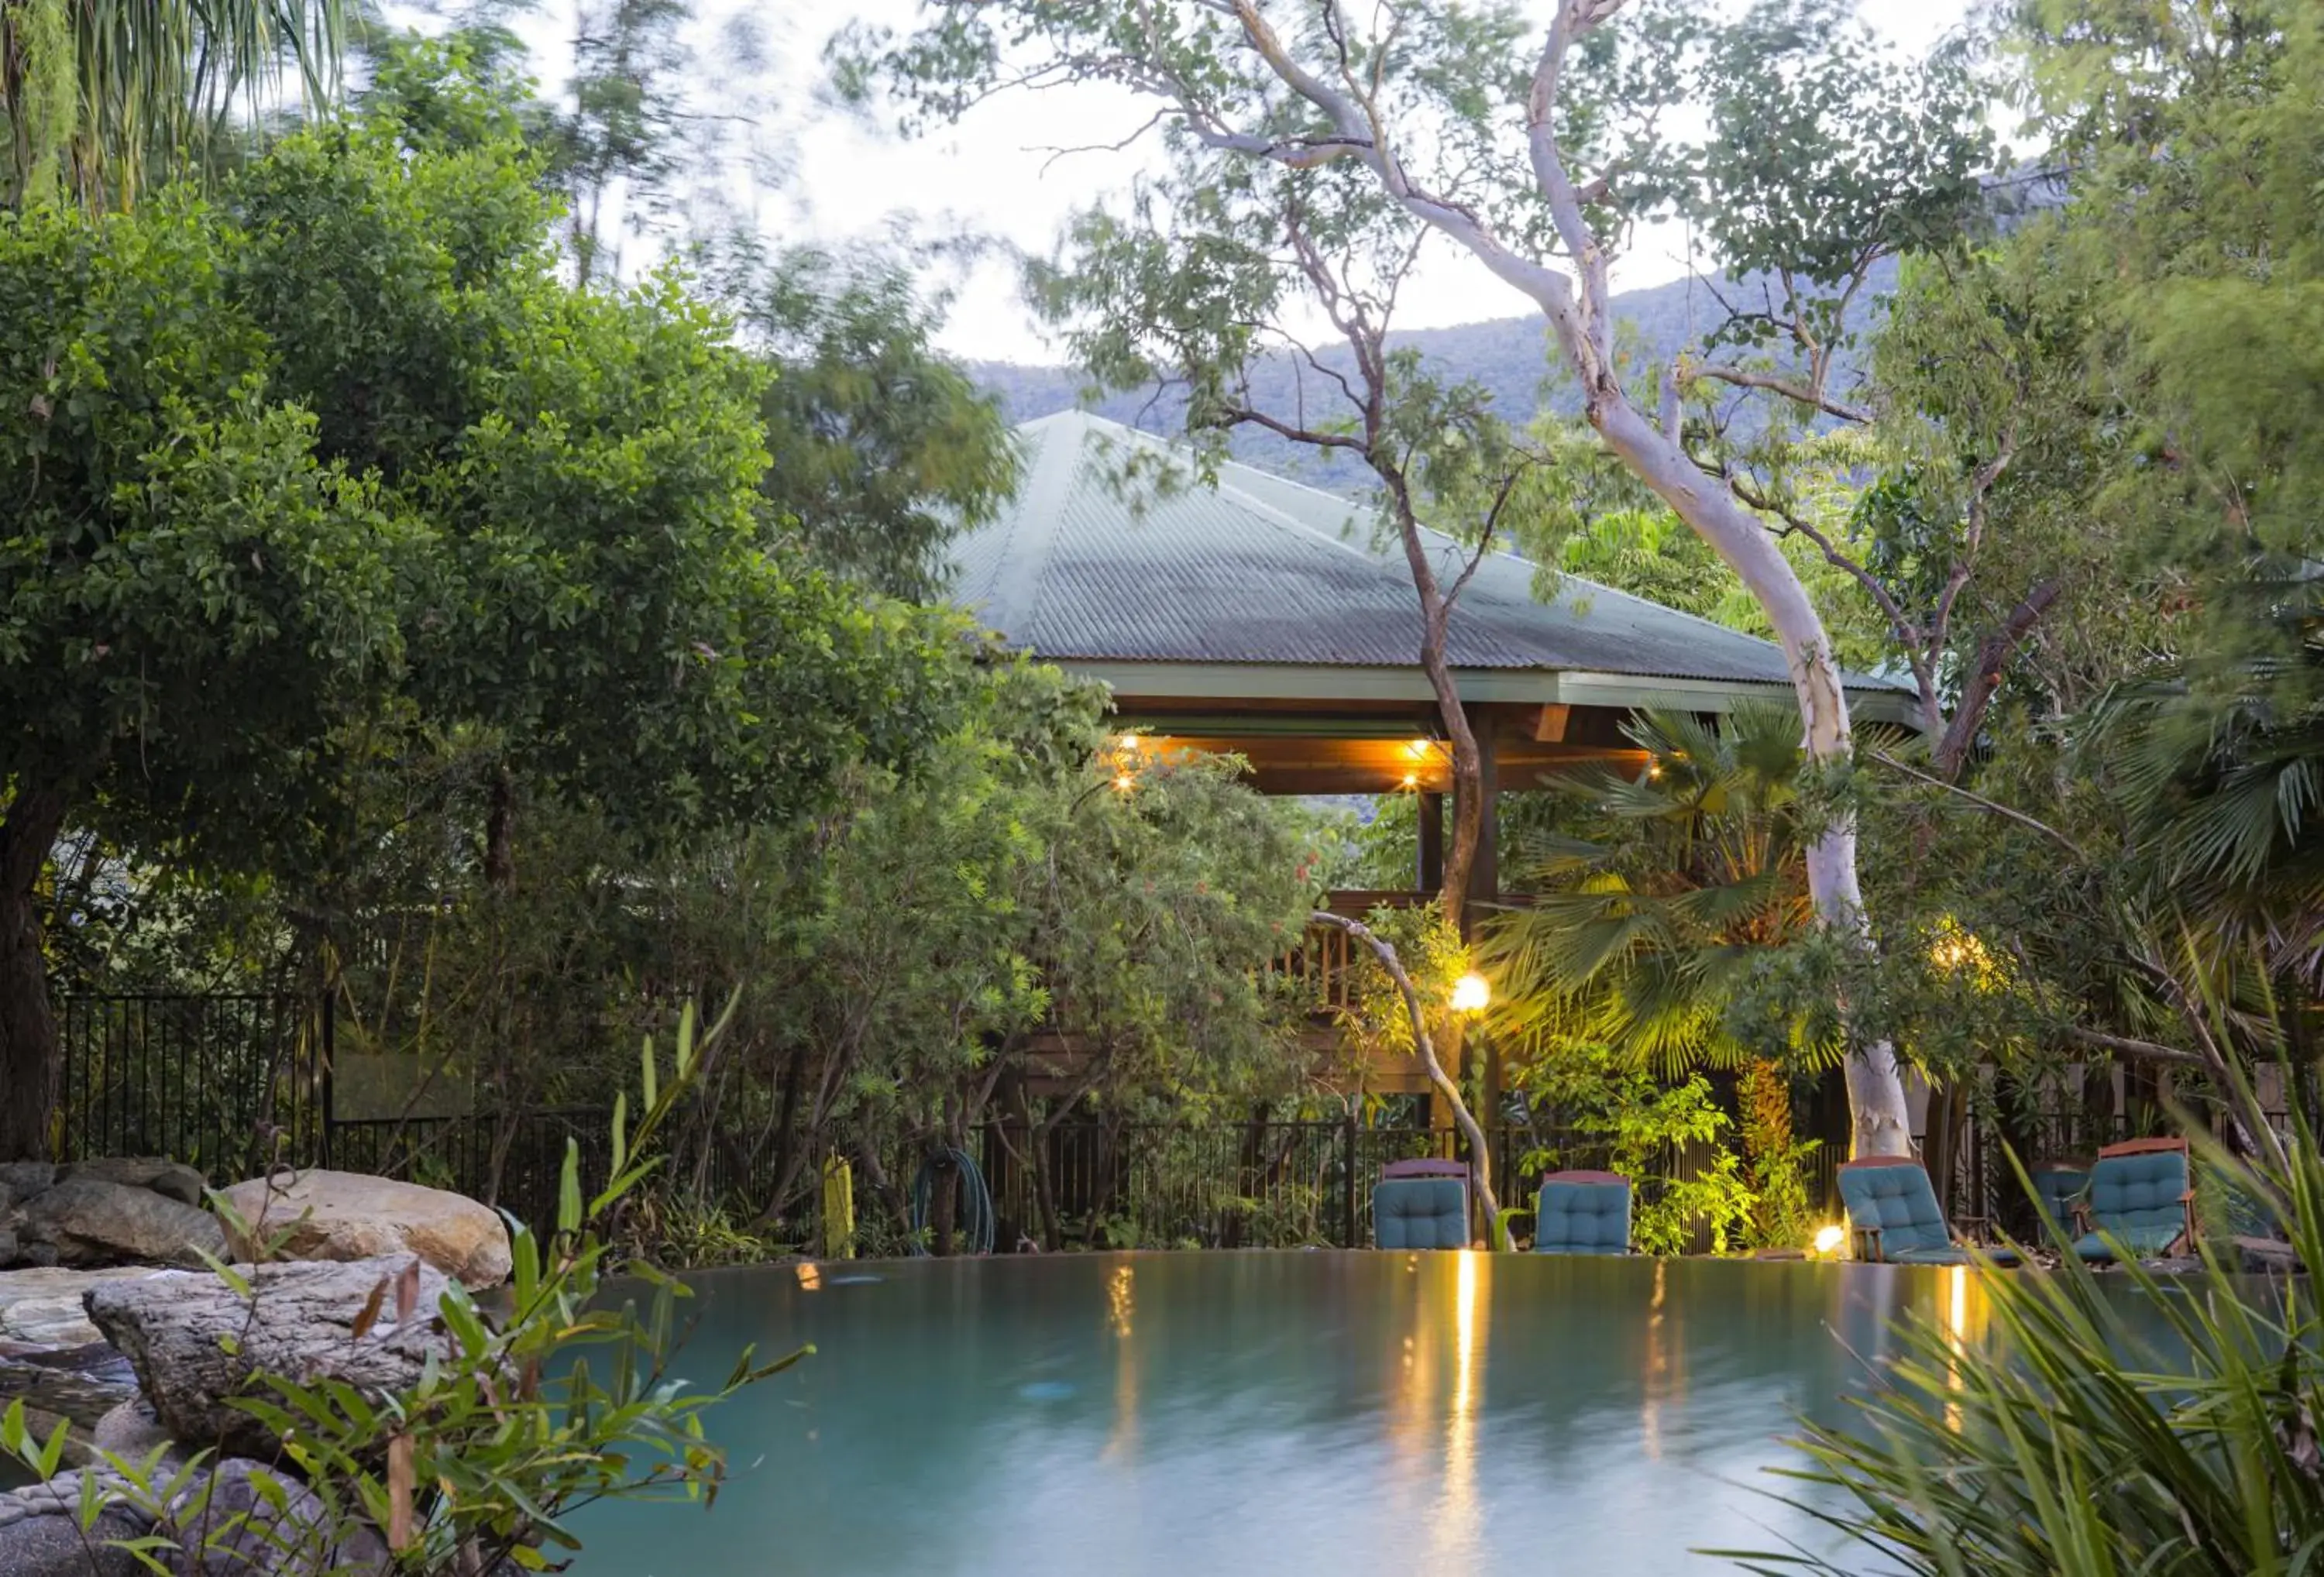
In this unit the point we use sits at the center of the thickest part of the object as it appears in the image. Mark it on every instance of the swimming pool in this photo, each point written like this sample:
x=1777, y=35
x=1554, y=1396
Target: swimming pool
x=1267, y=1413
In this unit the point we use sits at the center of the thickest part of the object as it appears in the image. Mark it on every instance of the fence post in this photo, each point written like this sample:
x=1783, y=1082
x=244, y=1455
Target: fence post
x=1348, y=1181
x=329, y=1036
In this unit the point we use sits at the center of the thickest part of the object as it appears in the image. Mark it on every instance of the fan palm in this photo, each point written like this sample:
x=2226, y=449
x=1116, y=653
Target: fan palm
x=2222, y=763
x=96, y=90
x=1636, y=937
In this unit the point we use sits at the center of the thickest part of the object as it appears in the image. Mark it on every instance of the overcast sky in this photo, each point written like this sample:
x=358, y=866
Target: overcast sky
x=994, y=174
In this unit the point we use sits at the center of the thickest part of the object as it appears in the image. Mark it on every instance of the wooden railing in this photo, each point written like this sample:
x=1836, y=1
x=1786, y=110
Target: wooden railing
x=1325, y=956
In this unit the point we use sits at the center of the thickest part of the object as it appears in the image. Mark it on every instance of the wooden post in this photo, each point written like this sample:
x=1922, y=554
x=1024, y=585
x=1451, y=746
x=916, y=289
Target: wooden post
x=1485, y=879
x=1484, y=887
x=1432, y=843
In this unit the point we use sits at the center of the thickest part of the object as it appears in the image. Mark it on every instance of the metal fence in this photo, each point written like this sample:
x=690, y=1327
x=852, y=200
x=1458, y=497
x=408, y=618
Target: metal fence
x=230, y=1084
x=220, y=1081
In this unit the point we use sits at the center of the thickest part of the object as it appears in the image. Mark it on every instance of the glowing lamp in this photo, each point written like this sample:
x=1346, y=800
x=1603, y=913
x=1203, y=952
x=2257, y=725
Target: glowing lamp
x=1471, y=993
x=1130, y=742
x=1124, y=783
x=1828, y=1239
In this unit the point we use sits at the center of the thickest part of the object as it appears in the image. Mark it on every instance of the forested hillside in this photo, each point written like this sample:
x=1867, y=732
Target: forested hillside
x=1508, y=355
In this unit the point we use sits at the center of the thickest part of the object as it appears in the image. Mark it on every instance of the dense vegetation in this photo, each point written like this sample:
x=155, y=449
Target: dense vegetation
x=411, y=602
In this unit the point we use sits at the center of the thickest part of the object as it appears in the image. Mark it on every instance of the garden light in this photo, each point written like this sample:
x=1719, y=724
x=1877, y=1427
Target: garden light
x=1828, y=1239
x=1471, y=993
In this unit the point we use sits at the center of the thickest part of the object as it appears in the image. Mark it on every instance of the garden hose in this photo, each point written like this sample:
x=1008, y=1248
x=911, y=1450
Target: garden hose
x=975, y=1224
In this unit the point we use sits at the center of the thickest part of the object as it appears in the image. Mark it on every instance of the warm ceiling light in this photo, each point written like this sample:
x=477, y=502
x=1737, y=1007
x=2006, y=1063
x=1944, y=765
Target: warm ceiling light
x=1412, y=780
x=1417, y=749
x=1471, y=993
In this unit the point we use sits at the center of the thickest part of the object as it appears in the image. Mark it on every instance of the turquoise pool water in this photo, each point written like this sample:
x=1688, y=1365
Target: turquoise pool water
x=1350, y=1413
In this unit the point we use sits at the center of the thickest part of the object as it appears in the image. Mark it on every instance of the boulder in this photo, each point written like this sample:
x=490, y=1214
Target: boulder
x=132, y=1432
x=89, y=1221
x=299, y=1320
x=243, y=1517
x=23, y=1179
x=351, y=1215
x=41, y=1534
x=43, y=1308
x=81, y=1384
x=170, y=1180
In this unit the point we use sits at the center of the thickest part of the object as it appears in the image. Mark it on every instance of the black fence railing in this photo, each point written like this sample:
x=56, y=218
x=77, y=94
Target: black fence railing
x=232, y=1083
x=220, y=1081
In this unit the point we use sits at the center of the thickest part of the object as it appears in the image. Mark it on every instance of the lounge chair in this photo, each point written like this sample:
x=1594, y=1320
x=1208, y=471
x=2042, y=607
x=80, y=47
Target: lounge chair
x=1421, y=1204
x=1582, y=1212
x=1893, y=1215
x=2140, y=1198
x=2057, y=1188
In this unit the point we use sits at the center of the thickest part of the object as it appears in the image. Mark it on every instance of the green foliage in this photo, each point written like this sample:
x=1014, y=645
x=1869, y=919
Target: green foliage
x=1434, y=955
x=1638, y=936
x=1669, y=1139
x=1775, y=1163
x=180, y=555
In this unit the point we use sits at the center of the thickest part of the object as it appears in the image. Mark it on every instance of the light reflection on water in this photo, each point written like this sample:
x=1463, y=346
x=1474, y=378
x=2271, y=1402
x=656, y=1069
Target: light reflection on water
x=1340, y=1412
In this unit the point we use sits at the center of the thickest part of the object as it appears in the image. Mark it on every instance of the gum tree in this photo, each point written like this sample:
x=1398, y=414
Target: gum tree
x=1454, y=116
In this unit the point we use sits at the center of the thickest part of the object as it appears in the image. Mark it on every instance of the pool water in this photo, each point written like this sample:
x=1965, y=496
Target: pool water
x=1268, y=1413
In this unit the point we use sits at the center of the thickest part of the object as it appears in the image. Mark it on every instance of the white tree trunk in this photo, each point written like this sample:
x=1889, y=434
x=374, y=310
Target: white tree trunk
x=1876, y=1093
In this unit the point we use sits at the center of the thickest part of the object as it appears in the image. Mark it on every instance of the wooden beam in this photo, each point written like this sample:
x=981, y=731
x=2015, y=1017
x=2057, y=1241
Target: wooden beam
x=1549, y=723
x=1432, y=843
x=1485, y=877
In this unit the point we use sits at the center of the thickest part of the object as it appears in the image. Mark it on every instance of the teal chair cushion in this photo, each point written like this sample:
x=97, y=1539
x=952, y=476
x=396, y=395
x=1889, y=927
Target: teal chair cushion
x=2057, y=1188
x=1583, y=1216
x=1899, y=1201
x=2140, y=1199
x=1952, y=1255
x=1420, y=1212
x=2143, y=1243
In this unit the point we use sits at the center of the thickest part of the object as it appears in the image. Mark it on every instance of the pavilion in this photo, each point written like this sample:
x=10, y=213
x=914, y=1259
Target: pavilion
x=1260, y=616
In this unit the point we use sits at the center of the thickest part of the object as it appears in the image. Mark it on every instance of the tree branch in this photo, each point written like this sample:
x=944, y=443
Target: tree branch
x=1860, y=415
x=1981, y=802
x=1480, y=1165
x=1984, y=676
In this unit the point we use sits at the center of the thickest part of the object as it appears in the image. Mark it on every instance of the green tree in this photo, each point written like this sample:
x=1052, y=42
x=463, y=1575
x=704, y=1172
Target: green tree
x=191, y=596
x=880, y=448
x=581, y=602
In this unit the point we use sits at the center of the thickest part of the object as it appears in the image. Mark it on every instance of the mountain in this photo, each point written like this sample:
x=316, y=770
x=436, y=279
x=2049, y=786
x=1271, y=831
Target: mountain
x=1510, y=356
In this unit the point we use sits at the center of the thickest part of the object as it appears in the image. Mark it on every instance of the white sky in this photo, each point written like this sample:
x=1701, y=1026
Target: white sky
x=994, y=175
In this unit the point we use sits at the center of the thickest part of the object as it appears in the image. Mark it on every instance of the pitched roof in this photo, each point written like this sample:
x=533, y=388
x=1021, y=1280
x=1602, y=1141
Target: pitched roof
x=1259, y=570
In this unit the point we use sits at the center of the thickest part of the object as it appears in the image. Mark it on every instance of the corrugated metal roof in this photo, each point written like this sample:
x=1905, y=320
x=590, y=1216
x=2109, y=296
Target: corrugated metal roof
x=1262, y=569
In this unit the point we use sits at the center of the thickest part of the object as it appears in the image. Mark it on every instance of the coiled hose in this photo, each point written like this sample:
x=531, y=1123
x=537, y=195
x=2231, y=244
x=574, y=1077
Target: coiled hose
x=976, y=1225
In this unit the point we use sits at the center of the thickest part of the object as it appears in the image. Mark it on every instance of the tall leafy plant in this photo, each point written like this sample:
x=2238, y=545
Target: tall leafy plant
x=2107, y=1424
